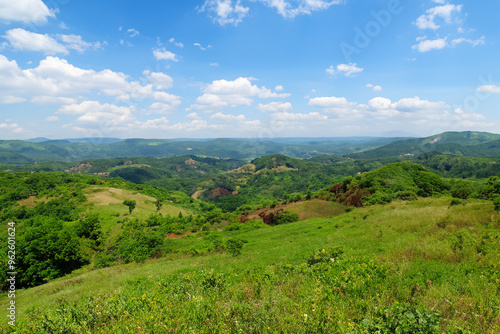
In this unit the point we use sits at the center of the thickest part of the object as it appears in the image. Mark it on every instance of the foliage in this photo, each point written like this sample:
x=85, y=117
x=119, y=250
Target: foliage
x=404, y=319
x=130, y=204
x=234, y=246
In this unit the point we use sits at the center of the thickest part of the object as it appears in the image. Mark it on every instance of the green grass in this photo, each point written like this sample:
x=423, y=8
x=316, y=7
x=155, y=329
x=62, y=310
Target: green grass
x=438, y=260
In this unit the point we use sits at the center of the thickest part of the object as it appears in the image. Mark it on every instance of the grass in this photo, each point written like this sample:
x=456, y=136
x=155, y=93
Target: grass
x=439, y=260
x=108, y=202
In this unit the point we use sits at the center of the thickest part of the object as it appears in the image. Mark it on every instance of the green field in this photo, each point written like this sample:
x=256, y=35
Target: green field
x=421, y=261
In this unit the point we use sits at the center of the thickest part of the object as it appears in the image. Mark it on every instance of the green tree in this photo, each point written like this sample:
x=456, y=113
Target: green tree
x=131, y=205
x=159, y=205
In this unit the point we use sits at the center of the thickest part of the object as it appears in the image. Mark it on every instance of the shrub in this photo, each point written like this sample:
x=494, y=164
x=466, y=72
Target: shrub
x=131, y=205
x=496, y=202
x=406, y=195
x=325, y=255
x=284, y=217
x=234, y=246
x=403, y=319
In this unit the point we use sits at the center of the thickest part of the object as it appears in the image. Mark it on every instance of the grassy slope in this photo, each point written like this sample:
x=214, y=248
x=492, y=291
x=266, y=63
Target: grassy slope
x=418, y=244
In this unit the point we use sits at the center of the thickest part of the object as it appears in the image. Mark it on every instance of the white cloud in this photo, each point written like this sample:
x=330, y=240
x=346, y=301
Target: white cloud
x=162, y=108
x=476, y=42
x=48, y=100
x=132, y=32
x=239, y=92
x=380, y=108
x=201, y=47
x=52, y=119
x=493, y=89
x=25, y=11
x=375, y=88
x=162, y=54
x=429, y=45
x=275, y=107
x=160, y=80
x=10, y=99
x=446, y=12
x=287, y=10
x=178, y=44
x=347, y=69
x=93, y=114
x=278, y=88
x=293, y=117
x=75, y=42
x=24, y=40
x=225, y=11
x=228, y=117
x=11, y=127
x=193, y=115
x=54, y=79
x=214, y=64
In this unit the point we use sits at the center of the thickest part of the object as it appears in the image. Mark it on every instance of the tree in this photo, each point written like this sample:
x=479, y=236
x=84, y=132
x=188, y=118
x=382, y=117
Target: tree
x=131, y=205
x=159, y=204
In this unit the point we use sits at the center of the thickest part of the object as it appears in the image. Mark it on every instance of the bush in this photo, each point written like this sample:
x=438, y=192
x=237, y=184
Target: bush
x=234, y=246
x=325, y=255
x=496, y=202
x=406, y=195
x=284, y=217
x=403, y=319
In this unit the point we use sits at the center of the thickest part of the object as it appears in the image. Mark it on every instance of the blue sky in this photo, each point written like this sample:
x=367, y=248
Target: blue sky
x=247, y=68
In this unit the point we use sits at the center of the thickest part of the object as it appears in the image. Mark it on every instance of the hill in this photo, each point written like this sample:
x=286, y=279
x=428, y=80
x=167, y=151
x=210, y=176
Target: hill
x=374, y=268
x=73, y=150
x=474, y=144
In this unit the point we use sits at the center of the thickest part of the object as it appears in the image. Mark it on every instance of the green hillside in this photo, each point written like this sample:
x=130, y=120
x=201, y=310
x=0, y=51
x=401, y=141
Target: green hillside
x=418, y=265
x=474, y=144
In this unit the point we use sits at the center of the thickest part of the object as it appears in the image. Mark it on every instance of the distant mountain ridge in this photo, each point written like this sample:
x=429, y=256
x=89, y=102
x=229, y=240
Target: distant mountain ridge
x=469, y=143
x=38, y=150
x=74, y=150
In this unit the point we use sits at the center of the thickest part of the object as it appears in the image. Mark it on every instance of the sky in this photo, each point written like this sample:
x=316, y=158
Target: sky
x=248, y=68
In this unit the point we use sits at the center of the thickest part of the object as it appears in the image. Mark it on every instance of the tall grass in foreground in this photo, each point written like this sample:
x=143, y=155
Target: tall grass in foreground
x=407, y=267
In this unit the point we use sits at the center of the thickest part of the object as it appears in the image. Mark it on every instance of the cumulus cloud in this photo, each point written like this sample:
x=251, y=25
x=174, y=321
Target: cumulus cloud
x=23, y=40
x=55, y=80
x=375, y=88
x=429, y=45
x=225, y=12
x=160, y=80
x=492, y=89
x=275, y=107
x=25, y=11
x=447, y=13
x=162, y=54
x=239, y=92
x=348, y=70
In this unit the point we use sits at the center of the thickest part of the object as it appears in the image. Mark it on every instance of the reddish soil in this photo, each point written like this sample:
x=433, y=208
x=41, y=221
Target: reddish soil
x=176, y=236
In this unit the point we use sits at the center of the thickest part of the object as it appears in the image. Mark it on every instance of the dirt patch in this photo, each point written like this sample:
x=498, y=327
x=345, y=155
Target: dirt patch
x=197, y=194
x=315, y=208
x=177, y=236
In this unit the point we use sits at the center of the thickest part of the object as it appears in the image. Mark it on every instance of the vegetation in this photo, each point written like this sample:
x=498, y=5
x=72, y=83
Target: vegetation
x=276, y=244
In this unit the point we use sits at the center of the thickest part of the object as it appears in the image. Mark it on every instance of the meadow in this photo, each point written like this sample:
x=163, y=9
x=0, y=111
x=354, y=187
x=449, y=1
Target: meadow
x=422, y=266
